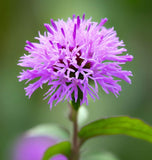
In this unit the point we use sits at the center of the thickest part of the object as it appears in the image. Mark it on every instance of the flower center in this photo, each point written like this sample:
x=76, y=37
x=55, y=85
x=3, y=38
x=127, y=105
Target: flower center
x=70, y=69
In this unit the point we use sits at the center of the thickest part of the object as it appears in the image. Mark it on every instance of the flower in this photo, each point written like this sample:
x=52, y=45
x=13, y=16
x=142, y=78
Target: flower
x=72, y=54
x=33, y=148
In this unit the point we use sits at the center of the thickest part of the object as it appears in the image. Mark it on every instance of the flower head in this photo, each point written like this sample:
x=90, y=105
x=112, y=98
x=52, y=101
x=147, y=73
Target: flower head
x=70, y=55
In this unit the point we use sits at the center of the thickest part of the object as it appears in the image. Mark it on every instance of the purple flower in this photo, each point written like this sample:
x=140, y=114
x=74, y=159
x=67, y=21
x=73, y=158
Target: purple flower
x=33, y=148
x=71, y=55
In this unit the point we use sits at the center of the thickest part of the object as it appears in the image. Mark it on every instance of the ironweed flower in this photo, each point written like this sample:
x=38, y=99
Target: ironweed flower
x=33, y=148
x=70, y=55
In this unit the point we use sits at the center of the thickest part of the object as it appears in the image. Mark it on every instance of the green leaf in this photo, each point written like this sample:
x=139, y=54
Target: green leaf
x=60, y=148
x=117, y=125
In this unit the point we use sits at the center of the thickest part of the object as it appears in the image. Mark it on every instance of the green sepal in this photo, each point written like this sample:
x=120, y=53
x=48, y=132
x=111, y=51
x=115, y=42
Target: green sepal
x=74, y=104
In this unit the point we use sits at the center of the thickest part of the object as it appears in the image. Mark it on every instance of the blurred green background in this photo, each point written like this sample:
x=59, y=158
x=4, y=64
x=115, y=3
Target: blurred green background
x=21, y=20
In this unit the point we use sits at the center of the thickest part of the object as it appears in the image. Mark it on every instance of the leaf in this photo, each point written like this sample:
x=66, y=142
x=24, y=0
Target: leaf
x=117, y=125
x=60, y=148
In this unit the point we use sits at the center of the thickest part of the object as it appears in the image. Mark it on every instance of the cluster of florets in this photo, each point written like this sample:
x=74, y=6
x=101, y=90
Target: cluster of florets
x=70, y=55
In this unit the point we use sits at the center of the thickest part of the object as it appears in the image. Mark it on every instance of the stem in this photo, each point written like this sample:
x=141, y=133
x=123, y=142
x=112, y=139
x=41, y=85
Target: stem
x=75, y=148
x=75, y=140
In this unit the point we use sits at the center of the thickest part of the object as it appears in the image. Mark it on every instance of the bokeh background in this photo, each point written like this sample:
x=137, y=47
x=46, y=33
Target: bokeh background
x=21, y=20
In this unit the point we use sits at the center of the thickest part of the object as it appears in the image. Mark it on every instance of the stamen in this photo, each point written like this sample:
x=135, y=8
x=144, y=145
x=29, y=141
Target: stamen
x=30, y=44
x=83, y=17
x=103, y=21
x=100, y=40
x=54, y=25
x=74, y=32
x=51, y=42
x=89, y=27
x=73, y=17
x=59, y=46
x=62, y=30
x=47, y=26
x=27, y=48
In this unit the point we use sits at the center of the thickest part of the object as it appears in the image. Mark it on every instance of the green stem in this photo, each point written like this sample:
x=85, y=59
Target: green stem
x=75, y=140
